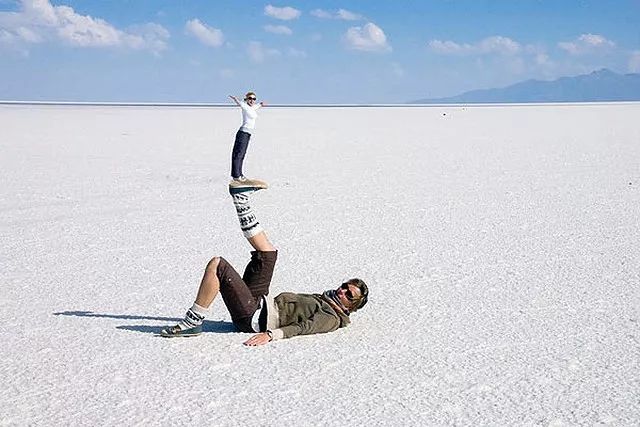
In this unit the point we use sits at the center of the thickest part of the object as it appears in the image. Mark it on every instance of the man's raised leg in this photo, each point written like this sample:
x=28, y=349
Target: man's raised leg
x=238, y=296
x=251, y=228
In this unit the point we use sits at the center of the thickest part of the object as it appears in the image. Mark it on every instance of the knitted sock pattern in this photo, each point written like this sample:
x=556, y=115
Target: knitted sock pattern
x=248, y=221
x=191, y=320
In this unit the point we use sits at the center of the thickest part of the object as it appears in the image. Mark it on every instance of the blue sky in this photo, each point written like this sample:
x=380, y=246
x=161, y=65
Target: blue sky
x=301, y=51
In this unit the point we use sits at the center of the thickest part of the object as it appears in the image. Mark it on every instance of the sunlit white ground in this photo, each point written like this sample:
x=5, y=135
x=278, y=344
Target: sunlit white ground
x=500, y=245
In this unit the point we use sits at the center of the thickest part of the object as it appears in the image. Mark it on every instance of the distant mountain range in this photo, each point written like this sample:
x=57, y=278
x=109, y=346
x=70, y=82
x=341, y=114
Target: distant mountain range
x=602, y=85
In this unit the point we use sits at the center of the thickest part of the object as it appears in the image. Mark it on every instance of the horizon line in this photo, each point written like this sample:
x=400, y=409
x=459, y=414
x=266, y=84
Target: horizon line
x=328, y=105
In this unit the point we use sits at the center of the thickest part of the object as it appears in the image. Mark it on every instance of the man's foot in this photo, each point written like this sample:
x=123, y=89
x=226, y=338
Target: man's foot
x=244, y=182
x=180, y=331
x=190, y=326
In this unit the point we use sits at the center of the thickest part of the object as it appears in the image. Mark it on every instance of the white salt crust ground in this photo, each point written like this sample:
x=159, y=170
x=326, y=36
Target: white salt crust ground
x=500, y=245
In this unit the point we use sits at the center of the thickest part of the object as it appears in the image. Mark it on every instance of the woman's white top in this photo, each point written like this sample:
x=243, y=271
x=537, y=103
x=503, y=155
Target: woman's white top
x=249, y=116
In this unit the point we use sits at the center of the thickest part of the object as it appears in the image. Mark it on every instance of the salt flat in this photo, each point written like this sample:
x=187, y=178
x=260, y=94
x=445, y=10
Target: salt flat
x=500, y=245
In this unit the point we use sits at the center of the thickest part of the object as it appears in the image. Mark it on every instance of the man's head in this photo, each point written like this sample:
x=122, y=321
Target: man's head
x=353, y=294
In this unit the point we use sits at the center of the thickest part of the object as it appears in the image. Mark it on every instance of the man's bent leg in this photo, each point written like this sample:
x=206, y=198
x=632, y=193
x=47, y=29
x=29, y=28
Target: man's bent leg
x=210, y=284
x=191, y=325
x=219, y=276
x=236, y=296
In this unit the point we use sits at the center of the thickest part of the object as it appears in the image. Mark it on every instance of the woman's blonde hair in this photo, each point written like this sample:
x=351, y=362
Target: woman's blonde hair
x=248, y=94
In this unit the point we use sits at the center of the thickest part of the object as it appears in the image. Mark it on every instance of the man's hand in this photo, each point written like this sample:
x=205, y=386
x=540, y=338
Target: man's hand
x=263, y=104
x=259, y=339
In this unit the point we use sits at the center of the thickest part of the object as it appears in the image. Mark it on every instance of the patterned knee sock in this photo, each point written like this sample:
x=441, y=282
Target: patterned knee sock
x=194, y=317
x=248, y=221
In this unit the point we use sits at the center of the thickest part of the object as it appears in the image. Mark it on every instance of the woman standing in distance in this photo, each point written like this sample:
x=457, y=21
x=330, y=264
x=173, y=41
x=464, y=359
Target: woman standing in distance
x=249, y=108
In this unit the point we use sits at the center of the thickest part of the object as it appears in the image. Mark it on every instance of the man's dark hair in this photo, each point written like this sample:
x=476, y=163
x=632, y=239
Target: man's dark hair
x=364, y=291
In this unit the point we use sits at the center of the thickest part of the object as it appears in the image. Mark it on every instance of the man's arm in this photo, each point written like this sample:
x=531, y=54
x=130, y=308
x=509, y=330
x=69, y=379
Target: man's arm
x=320, y=323
x=235, y=99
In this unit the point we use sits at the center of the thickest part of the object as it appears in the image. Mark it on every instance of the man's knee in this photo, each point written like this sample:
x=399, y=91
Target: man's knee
x=212, y=265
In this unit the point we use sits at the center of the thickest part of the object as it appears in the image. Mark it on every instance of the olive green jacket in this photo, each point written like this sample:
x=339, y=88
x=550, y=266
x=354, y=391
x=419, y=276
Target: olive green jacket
x=293, y=314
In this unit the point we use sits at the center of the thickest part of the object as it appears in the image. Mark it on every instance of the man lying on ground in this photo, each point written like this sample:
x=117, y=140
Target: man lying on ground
x=247, y=297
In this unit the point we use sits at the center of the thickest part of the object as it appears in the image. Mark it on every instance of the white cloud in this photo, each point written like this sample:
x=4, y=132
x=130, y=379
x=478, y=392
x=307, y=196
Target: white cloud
x=284, y=13
x=258, y=53
x=537, y=56
x=586, y=44
x=323, y=14
x=39, y=21
x=448, y=47
x=147, y=36
x=369, y=38
x=343, y=14
x=490, y=45
x=42, y=12
x=543, y=59
x=499, y=44
x=296, y=53
x=28, y=35
x=83, y=30
x=634, y=62
x=347, y=15
x=8, y=38
x=278, y=29
x=206, y=34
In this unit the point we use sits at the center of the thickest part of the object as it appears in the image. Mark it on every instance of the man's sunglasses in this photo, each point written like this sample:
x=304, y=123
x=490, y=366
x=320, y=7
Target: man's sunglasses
x=348, y=292
x=251, y=98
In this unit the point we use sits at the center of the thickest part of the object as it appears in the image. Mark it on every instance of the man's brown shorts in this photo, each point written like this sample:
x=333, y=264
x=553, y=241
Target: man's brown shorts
x=242, y=295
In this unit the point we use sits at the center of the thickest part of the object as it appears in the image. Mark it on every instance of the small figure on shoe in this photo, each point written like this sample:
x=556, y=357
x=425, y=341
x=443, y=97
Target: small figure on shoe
x=249, y=108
